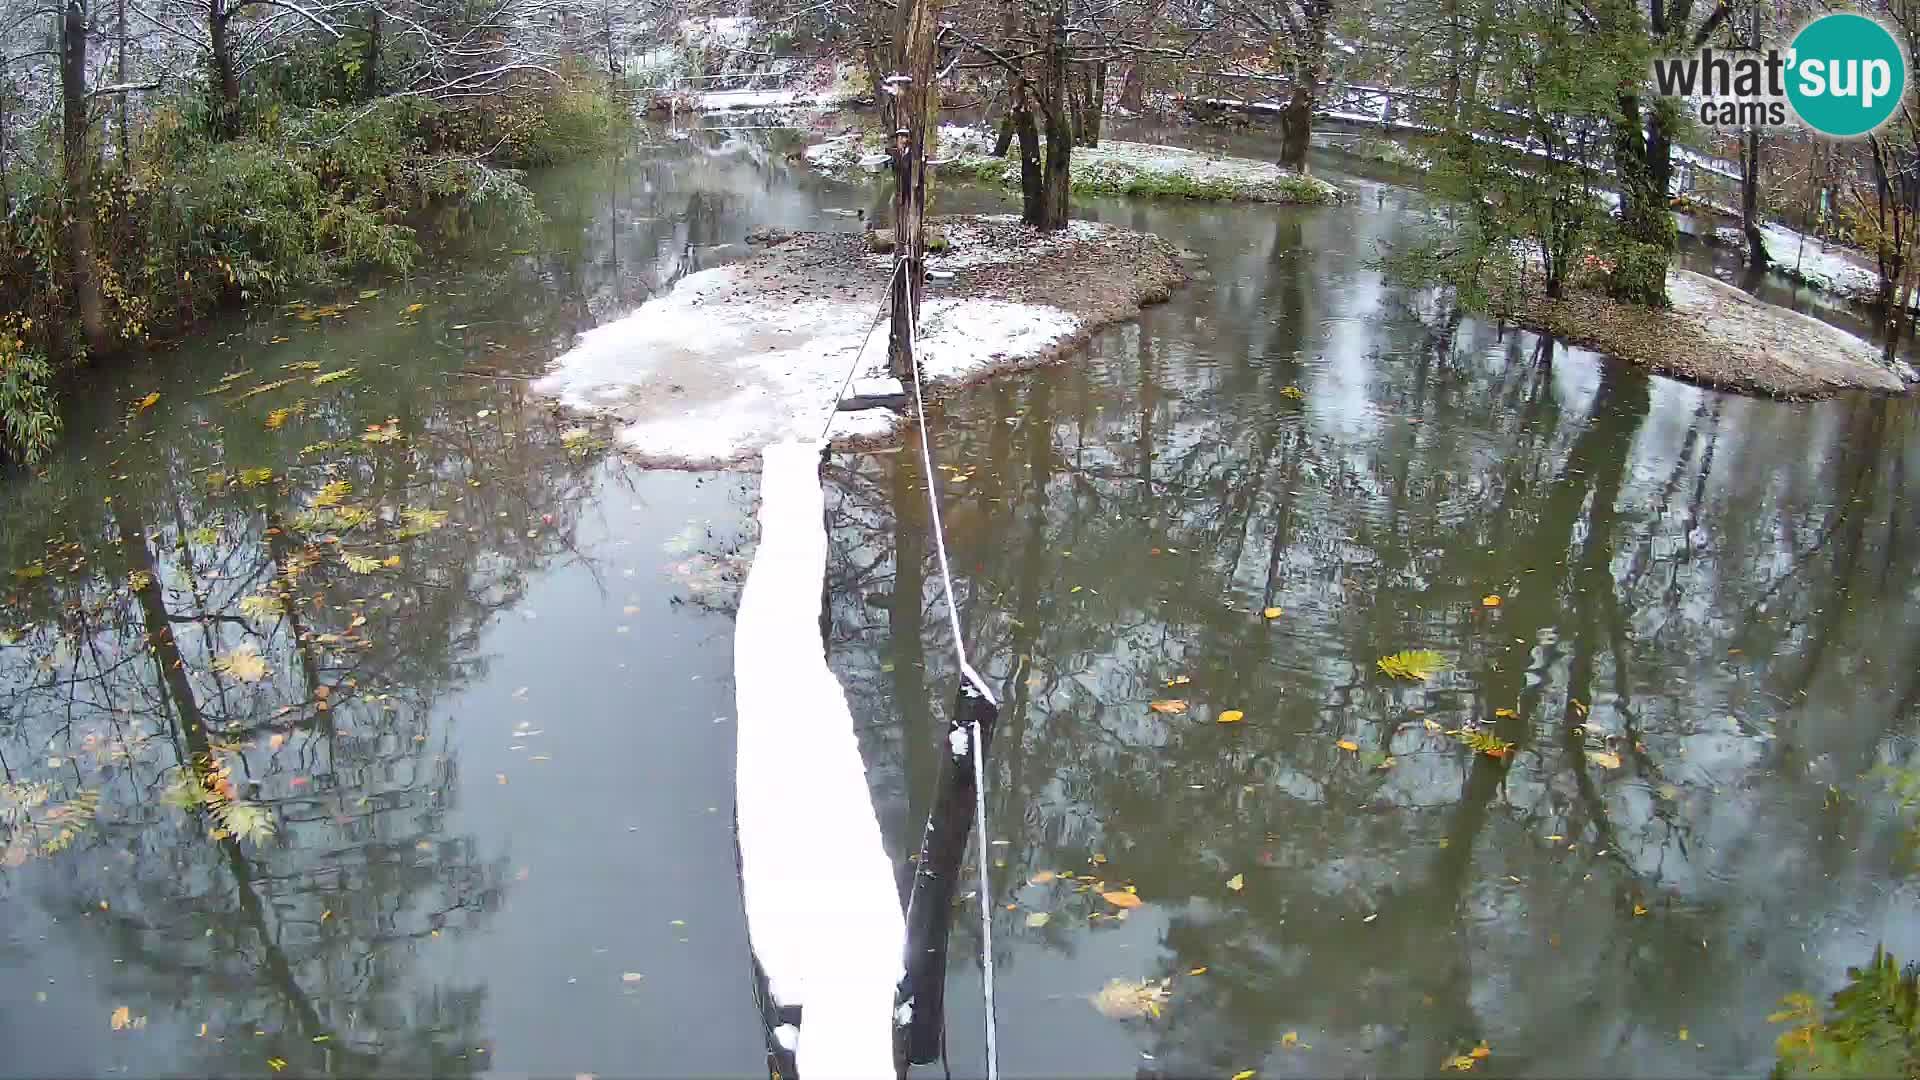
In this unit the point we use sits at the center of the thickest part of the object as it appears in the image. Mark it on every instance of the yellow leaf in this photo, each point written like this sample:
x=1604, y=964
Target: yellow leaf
x=1639, y=909
x=277, y=419
x=1179, y=680
x=1041, y=878
x=1431, y=726
x=331, y=493
x=1237, y=882
x=1503, y=714
x=148, y=402
x=1290, y=1040
x=1490, y=600
x=1604, y=759
x=1271, y=613
x=1417, y=665
x=1463, y=1063
x=1683, y=1035
x=1121, y=899
x=415, y=309
x=1231, y=716
x=1171, y=707
x=243, y=663
x=361, y=564
x=1243, y=1074
x=122, y=1018
x=1038, y=919
x=1348, y=744
x=1481, y=1052
x=1201, y=970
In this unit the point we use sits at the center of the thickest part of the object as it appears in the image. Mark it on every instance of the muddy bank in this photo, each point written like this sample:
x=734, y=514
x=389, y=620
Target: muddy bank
x=1717, y=336
x=756, y=352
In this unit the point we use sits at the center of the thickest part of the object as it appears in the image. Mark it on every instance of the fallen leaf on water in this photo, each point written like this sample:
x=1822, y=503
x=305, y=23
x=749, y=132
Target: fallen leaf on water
x=1415, y=664
x=1604, y=759
x=203, y=1031
x=1201, y=970
x=1490, y=600
x=1271, y=613
x=1171, y=706
x=1480, y=1052
x=1431, y=725
x=1639, y=909
x=1683, y=1035
x=1038, y=919
x=1290, y=1040
x=1348, y=744
x=276, y=1064
x=1179, y=680
x=1121, y=899
x=1462, y=1063
x=1124, y=999
x=243, y=663
x=631, y=976
x=1237, y=882
x=1231, y=716
x=415, y=309
x=1243, y=1074
x=1502, y=714
x=1041, y=878
x=500, y=776
x=148, y=402
x=122, y=1017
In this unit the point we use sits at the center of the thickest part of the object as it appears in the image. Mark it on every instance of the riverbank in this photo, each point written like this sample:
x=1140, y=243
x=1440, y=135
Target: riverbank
x=1112, y=168
x=756, y=352
x=1717, y=336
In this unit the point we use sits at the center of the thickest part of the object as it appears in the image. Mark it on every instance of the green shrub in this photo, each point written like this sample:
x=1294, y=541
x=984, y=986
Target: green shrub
x=28, y=422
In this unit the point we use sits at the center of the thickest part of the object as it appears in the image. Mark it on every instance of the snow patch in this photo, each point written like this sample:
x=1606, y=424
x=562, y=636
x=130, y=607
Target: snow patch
x=710, y=373
x=823, y=914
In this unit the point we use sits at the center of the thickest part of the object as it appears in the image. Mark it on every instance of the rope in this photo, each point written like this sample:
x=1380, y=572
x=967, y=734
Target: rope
x=967, y=672
x=973, y=678
x=862, y=351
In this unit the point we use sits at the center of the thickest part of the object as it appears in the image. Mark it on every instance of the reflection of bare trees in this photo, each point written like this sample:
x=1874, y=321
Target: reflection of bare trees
x=119, y=684
x=1684, y=581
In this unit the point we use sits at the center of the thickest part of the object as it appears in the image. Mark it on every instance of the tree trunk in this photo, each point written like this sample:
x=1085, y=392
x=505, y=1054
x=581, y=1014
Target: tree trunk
x=226, y=81
x=120, y=74
x=370, y=82
x=1055, y=191
x=76, y=163
x=1133, y=87
x=1750, y=201
x=1309, y=72
x=1096, y=104
x=917, y=104
x=1004, y=141
x=1032, y=195
x=1645, y=220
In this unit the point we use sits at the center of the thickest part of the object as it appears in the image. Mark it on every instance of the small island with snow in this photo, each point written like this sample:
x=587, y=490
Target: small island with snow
x=756, y=352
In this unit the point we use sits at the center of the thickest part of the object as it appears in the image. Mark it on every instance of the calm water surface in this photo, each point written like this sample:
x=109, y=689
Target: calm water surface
x=496, y=746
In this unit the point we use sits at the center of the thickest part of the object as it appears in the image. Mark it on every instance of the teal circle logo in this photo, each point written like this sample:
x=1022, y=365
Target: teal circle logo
x=1846, y=75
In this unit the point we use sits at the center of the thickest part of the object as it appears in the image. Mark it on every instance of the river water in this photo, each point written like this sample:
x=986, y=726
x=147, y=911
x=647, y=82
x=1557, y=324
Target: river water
x=487, y=713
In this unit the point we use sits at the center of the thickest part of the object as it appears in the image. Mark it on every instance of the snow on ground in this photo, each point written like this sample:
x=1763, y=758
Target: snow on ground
x=823, y=912
x=1107, y=166
x=748, y=99
x=704, y=378
x=1828, y=267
